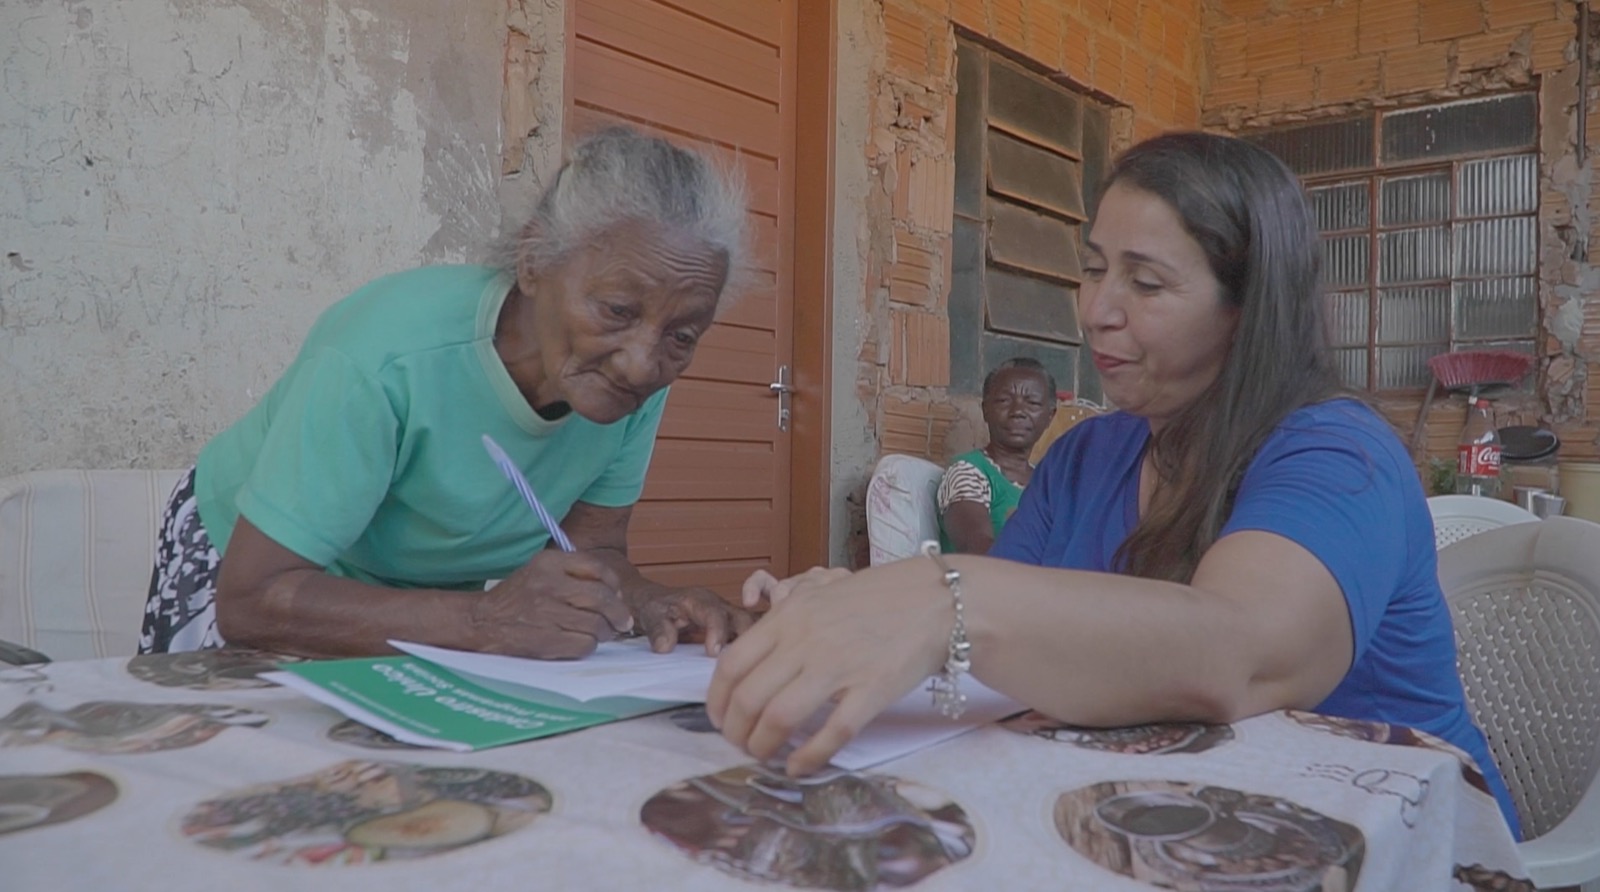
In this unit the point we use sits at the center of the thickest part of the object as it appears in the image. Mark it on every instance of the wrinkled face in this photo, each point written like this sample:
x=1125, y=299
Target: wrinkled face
x=620, y=319
x=1151, y=308
x=1017, y=407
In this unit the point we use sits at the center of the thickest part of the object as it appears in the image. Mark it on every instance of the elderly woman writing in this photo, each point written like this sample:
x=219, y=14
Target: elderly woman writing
x=355, y=503
x=1239, y=538
x=981, y=488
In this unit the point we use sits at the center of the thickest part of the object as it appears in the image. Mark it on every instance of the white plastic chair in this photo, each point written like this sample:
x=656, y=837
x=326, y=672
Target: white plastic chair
x=1457, y=517
x=1525, y=600
x=902, y=507
x=76, y=549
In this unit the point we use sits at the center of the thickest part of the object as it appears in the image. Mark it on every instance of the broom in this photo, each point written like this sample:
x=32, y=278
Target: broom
x=1468, y=370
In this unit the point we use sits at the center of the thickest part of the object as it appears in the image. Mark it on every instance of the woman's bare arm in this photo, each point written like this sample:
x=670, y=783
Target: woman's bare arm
x=557, y=606
x=1263, y=626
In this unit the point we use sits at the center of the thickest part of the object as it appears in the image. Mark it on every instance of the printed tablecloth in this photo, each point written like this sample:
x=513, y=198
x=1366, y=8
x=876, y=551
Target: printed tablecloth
x=180, y=772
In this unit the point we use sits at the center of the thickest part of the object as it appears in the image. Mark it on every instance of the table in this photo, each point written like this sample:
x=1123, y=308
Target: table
x=185, y=772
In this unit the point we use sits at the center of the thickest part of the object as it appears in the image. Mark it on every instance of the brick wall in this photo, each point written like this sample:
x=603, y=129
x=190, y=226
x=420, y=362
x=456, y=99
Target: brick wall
x=1142, y=56
x=1275, y=61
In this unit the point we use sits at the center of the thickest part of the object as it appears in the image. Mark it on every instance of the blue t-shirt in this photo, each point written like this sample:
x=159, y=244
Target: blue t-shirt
x=1333, y=478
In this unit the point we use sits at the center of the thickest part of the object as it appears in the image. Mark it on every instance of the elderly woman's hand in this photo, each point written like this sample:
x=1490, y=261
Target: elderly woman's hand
x=557, y=606
x=665, y=615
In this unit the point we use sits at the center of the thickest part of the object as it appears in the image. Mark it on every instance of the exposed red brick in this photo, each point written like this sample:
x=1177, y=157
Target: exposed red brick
x=1188, y=108
x=1077, y=49
x=1109, y=73
x=914, y=425
x=1163, y=93
x=1227, y=44
x=1125, y=18
x=1329, y=36
x=972, y=15
x=1008, y=22
x=1485, y=51
x=919, y=349
x=1152, y=28
x=1555, y=208
x=913, y=114
x=1096, y=12
x=1272, y=45
x=1414, y=69
x=1554, y=45
x=1043, y=27
x=1142, y=86
x=907, y=35
x=1592, y=125
x=1513, y=13
x=911, y=278
x=1242, y=91
x=1289, y=88
x=1387, y=25
x=902, y=184
x=934, y=346
x=1243, y=9
x=1146, y=127
x=943, y=252
x=1180, y=44
x=1350, y=79
x=930, y=188
x=1447, y=19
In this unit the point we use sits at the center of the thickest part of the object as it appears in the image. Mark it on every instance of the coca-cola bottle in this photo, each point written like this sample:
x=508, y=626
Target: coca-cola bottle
x=1478, y=455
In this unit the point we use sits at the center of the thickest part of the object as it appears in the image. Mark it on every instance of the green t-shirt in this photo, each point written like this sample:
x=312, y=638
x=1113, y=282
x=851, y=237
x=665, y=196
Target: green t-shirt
x=366, y=457
x=1003, y=494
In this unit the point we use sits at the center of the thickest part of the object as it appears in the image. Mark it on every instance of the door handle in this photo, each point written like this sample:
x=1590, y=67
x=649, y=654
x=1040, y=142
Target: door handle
x=782, y=389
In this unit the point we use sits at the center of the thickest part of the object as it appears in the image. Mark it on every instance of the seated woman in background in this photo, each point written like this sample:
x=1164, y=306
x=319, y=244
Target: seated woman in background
x=981, y=488
x=1241, y=537
x=356, y=504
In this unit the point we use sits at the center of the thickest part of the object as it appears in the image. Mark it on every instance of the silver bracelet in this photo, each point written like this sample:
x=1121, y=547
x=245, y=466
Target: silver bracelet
x=946, y=686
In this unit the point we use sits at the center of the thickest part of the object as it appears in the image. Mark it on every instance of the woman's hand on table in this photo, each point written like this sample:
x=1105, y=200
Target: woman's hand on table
x=860, y=641
x=763, y=587
x=666, y=615
x=557, y=606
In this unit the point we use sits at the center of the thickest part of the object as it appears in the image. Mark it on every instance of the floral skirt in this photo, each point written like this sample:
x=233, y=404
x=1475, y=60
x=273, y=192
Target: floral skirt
x=180, y=612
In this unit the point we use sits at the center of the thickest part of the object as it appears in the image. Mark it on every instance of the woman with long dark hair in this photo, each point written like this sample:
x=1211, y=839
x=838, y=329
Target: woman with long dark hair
x=1240, y=537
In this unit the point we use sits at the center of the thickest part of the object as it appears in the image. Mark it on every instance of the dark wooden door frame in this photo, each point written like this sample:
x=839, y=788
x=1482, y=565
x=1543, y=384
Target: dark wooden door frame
x=815, y=24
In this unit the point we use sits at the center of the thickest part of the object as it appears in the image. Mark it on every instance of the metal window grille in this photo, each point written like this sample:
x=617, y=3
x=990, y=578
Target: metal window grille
x=1030, y=154
x=1430, y=233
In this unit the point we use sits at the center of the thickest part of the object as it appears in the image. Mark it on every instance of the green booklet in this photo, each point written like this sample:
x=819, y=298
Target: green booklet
x=425, y=704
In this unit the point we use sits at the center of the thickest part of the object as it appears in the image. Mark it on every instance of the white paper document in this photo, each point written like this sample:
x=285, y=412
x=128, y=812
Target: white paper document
x=615, y=669
x=913, y=723
x=364, y=716
x=630, y=669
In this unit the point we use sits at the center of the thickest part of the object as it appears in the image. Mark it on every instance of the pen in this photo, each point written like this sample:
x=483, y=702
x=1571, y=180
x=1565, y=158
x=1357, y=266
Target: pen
x=515, y=475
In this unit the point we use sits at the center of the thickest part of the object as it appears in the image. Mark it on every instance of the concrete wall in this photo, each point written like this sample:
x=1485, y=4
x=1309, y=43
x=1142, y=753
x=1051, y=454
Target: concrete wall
x=185, y=185
x=853, y=426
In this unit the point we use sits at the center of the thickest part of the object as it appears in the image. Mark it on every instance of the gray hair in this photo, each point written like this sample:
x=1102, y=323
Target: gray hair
x=619, y=175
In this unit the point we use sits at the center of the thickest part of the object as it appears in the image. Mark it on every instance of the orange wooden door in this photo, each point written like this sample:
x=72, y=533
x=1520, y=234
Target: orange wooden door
x=717, y=74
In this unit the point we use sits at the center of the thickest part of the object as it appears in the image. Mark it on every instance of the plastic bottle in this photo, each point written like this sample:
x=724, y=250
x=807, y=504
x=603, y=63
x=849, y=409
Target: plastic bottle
x=1478, y=454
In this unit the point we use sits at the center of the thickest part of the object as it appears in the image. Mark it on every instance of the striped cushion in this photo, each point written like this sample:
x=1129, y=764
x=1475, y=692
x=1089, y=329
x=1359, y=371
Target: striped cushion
x=76, y=548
